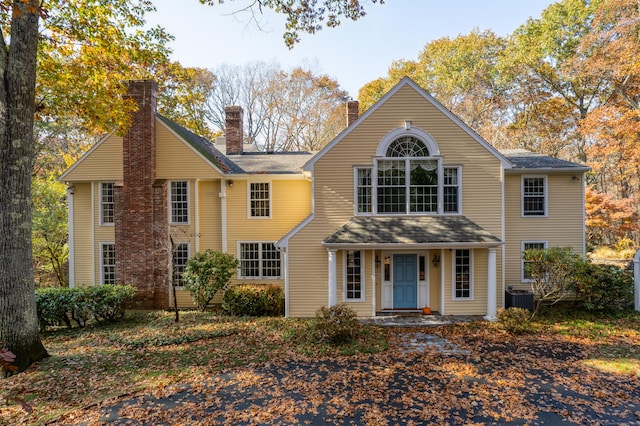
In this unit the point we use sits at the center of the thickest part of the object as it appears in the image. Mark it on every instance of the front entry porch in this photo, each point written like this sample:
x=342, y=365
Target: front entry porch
x=448, y=264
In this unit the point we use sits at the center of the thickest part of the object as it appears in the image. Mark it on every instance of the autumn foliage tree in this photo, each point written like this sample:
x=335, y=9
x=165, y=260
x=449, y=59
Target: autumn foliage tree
x=292, y=110
x=565, y=84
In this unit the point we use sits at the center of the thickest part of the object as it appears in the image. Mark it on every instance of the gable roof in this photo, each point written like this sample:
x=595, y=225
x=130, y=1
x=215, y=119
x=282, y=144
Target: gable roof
x=201, y=145
x=396, y=231
x=527, y=160
x=406, y=81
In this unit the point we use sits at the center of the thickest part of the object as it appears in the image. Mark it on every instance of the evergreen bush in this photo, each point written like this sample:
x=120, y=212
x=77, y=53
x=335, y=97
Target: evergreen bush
x=254, y=300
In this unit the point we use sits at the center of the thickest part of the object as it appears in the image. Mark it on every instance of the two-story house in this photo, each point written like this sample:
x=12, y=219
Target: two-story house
x=408, y=207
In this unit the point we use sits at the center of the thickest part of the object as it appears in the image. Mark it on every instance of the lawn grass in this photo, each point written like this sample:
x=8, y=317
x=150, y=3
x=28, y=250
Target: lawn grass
x=615, y=336
x=150, y=351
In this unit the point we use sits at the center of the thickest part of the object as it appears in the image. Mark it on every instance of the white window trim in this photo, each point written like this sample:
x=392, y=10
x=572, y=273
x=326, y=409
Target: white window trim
x=261, y=277
x=188, y=222
x=355, y=191
x=471, y=276
x=546, y=245
x=407, y=164
x=459, y=167
x=178, y=243
x=546, y=196
x=249, y=216
x=362, y=277
x=102, y=222
x=102, y=265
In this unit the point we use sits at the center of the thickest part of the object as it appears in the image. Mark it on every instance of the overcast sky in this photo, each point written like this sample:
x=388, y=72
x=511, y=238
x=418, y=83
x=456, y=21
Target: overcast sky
x=353, y=54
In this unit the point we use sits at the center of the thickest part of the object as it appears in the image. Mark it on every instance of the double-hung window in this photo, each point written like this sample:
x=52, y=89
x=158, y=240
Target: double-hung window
x=463, y=274
x=179, y=262
x=108, y=263
x=259, y=260
x=353, y=280
x=534, y=196
x=107, y=203
x=451, y=189
x=526, y=265
x=260, y=200
x=364, y=190
x=179, y=195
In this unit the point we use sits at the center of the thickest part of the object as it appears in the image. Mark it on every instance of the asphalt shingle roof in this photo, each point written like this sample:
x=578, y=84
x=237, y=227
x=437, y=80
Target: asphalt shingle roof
x=410, y=230
x=523, y=159
x=262, y=162
x=247, y=163
x=203, y=146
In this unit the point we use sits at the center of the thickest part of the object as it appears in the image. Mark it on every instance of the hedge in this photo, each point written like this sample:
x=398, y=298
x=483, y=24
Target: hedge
x=60, y=306
x=254, y=300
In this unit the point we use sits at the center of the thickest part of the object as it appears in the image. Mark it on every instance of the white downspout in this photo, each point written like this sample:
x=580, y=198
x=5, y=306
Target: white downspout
x=72, y=269
x=196, y=214
x=223, y=213
x=442, y=309
x=93, y=237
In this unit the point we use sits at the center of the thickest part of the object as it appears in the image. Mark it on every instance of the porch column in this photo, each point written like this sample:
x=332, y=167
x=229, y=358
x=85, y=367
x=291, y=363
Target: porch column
x=333, y=280
x=491, y=286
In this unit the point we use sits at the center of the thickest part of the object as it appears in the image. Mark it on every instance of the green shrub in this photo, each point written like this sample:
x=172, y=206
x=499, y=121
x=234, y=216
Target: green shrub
x=515, y=320
x=337, y=324
x=552, y=273
x=254, y=300
x=601, y=287
x=57, y=306
x=207, y=273
x=52, y=305
x=108, y=302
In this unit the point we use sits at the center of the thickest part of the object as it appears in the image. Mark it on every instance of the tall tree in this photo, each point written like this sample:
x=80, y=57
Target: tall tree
x=18, y=319
x=613, y=128
x=307, y=16
x=283, y=110
x=542, y=51
x=61, y=62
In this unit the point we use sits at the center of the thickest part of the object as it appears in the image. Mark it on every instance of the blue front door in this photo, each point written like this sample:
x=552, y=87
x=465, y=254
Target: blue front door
x=405, y=281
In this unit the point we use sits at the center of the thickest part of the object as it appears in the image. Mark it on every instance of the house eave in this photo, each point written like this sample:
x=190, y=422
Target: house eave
x=397, y=246
x=548, y=170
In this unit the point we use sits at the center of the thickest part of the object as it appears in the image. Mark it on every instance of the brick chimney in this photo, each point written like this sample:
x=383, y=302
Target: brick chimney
x=352, y=112
x=141, y=222
x=234, y=129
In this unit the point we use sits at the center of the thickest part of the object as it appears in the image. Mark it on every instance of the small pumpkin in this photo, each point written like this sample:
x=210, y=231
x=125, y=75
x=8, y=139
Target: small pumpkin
x=426, y=310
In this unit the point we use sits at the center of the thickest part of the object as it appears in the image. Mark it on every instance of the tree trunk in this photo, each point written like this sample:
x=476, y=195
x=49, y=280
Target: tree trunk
x=18, y=316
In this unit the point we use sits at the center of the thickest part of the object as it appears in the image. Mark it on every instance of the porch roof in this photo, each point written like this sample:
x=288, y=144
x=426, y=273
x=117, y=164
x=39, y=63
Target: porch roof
x=402, y=231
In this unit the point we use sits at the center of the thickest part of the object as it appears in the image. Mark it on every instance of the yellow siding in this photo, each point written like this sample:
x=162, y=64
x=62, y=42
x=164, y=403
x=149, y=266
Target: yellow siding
x=290, y=204
x=478, y=304
x=563, y=226
x=209, y=214
x=82, y=234
x=103, y=163
x=176, y=160
x=334, y=194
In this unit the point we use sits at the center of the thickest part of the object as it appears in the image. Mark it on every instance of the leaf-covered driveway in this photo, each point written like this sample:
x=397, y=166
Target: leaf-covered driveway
x=486, y=379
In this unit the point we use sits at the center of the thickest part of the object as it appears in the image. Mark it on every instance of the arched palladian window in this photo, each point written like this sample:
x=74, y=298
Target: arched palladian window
x=408, y=178
x=407, y=146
